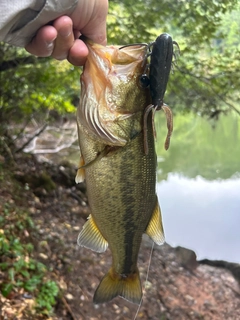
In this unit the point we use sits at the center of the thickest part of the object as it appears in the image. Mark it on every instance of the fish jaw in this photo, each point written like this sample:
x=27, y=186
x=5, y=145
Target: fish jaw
x=110, y=92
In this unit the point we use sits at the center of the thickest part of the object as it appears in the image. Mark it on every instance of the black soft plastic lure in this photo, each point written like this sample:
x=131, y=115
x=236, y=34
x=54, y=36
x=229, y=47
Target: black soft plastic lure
x=160, y=67
x=156, y=76
x=161, y=56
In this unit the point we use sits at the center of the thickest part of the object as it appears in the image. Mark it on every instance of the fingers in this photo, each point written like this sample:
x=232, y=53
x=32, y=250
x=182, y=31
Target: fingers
x=59, y=42
x=65, y=37
x=55, y=40
x=78, y=53
x=92, y=24
x=99, y=36
x=65, y=46
x=42, y=44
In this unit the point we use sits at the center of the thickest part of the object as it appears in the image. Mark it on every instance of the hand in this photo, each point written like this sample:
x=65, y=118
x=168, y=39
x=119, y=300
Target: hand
x=61, y=39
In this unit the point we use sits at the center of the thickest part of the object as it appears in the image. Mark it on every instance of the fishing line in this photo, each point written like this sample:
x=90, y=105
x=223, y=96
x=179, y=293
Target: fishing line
x=144, y=289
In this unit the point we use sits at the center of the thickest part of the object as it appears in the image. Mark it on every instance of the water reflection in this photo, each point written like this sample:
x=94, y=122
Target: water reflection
x=199, y=186
x=202, y=215
x=198, y=182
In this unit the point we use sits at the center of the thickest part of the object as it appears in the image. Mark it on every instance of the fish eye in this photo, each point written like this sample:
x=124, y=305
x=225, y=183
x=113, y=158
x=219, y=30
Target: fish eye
x=144, y=81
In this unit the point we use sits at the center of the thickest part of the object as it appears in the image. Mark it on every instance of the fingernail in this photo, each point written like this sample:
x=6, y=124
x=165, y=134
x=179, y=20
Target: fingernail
x=65, y=32
x=49, y=46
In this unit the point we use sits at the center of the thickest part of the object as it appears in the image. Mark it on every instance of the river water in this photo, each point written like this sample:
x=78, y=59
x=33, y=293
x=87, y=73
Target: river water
x=198, y=183
x=199, y=186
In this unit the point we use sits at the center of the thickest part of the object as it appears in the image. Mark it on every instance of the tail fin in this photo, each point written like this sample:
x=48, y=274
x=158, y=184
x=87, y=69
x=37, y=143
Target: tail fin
x=113, y=285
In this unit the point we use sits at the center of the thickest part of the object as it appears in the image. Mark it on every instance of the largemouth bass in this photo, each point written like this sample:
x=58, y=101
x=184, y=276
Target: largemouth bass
x=120, y=176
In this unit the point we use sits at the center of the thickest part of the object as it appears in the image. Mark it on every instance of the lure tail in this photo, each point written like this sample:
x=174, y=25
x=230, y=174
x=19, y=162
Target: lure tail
x=113, y=285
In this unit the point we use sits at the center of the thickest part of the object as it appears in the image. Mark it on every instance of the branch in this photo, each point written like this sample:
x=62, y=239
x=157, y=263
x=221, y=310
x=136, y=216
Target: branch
x=69, y=309
x=206, y=81
x=38, y=132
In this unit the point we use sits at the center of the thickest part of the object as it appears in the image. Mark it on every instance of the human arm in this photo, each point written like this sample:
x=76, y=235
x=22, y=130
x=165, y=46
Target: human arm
x=42, y=26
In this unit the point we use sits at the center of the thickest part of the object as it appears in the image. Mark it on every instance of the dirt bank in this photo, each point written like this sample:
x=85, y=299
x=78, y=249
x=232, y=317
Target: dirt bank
x=178, y=287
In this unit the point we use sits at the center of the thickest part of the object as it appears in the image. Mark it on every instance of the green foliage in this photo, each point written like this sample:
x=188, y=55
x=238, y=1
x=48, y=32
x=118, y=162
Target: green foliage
x=206, y=78
x=46, y=297
x=195, y=20
x=19, y=269
x=43, y=84
x=30, y=89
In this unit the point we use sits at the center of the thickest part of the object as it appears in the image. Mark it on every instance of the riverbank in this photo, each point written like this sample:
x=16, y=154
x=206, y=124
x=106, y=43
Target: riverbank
x=178, y=287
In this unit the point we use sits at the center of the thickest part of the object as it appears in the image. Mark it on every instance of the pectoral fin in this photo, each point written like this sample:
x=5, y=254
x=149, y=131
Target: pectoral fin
x=80, y=177
x=91, y=238
x=155, y=227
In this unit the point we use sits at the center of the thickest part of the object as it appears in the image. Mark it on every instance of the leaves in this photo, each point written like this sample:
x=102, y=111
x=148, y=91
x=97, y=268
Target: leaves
x=36, y=86
x=206, y=79
x=19, y=270
x=46, y=296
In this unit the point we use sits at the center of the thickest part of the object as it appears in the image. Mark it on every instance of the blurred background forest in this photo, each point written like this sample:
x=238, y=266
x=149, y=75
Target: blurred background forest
x=38, y=91
x=206, y=80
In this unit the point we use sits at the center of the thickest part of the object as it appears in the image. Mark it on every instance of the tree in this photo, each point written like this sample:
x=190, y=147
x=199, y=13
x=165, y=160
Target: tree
x=205, y=80
x=30, y=88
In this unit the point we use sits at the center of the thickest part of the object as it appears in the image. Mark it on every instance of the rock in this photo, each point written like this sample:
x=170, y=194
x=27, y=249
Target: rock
x=187, y=258
x=43, y=256
x=234, y=268
x=69, y=296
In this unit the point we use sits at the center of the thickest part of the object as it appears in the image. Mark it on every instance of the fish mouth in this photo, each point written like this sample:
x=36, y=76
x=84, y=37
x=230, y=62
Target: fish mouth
x=106, y=63
x=110, y=91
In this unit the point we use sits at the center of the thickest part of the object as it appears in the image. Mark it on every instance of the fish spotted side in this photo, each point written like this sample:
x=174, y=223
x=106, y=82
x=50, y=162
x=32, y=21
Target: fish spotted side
x=120, y=176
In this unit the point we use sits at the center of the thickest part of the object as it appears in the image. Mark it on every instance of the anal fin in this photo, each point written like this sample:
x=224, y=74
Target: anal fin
x=91, y=238
x=155, y=227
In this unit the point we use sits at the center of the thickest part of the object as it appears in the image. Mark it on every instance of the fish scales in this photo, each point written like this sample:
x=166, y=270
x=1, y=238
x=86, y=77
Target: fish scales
x=120, y=177
x=115, y=184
